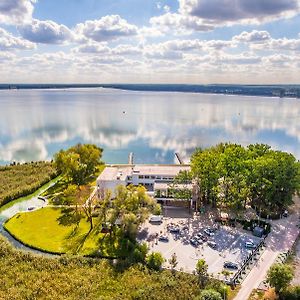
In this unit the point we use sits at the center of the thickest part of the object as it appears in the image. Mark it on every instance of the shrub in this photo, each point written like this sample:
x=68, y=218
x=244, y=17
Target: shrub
x=154, y=261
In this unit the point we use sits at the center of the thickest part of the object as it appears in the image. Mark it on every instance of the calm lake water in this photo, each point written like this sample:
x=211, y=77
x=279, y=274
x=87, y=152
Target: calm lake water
x=34, y=124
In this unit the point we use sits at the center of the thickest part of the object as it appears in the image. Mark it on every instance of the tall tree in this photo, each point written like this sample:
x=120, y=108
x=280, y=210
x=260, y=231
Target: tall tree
x=201, y=270
x=279, y=276
x=78, y=162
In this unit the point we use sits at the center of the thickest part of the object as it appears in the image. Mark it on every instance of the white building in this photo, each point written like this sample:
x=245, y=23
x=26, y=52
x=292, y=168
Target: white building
x=155, y=178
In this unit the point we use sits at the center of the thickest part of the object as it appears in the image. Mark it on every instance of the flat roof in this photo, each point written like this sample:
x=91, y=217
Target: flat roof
x=112, y=172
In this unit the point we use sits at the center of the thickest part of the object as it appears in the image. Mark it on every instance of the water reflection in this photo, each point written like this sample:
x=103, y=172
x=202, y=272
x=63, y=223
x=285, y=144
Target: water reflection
x=35, y=124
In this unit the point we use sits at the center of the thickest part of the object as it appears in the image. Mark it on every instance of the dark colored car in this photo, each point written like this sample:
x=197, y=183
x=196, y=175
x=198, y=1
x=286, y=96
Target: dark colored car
x=174, y=230
x=212, y=244
x=163, y=238
x=230, y=265
x=194, y=242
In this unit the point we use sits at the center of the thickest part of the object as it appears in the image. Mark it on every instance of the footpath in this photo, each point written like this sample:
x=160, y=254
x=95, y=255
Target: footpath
x=282, y=237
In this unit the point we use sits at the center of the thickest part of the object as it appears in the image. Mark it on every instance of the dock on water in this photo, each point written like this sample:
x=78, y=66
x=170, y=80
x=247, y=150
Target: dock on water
x=130, y=158
x=180, y=160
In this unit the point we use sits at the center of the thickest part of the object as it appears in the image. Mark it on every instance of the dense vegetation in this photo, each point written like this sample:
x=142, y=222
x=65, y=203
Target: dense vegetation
x=25, y=276
x=23, y=179
x=233, y=176
x=79, y=162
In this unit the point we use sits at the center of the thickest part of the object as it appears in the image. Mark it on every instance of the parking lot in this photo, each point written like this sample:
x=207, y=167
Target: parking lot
x=190, y=240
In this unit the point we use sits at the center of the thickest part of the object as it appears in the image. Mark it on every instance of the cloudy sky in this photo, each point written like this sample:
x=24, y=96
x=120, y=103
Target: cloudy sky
x=150, y=41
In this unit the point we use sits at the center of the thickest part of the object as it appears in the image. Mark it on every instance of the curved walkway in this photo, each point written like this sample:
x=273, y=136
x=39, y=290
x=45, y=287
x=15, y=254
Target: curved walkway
x=17, y=206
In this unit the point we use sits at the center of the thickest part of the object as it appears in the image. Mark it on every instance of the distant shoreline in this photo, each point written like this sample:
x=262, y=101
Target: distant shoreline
x=282, y=91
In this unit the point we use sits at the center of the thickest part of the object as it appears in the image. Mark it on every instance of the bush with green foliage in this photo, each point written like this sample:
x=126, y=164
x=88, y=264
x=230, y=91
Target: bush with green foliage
x=23, y=179
x=154, y=261
x=291, y=293
x=209, y=294
x=279, y=276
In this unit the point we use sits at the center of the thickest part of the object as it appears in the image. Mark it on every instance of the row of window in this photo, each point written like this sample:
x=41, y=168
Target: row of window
x=155, y=177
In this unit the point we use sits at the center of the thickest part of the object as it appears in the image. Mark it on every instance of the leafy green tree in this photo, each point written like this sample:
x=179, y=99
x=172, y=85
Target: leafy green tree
x=201, y=270
x=155, y=260
x=279, y=276
x=78, y=162
x=181, y=187
x=209, y=294
x=173, y=261
x=232, y=176
x=130, y=207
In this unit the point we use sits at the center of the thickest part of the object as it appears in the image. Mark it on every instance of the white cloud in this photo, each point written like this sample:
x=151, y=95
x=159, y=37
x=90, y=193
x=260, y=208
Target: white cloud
x=106, y=29
x=92, y=48
x=9, y=42
x=45, y=32
x=179, y=24
x=205, y=15
x=253, y=37
x=16, y=11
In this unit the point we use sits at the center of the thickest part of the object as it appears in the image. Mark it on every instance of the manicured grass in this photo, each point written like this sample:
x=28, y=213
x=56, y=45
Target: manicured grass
x=55, y=230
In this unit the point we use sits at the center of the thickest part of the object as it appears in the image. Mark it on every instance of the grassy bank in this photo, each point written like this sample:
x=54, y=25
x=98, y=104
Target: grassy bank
x=21, y=180
x=25, y=276
x=56, y=230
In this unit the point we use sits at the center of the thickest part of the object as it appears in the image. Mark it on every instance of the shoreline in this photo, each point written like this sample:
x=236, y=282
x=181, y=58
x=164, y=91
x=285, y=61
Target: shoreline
x=230, y=90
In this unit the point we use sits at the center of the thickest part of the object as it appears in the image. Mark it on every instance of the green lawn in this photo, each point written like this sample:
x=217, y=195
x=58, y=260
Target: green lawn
x=57, y=190
x=54, y=230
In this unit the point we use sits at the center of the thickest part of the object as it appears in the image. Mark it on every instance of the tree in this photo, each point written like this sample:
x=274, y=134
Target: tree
x=279, y=276
x=210, y=294
x=201, y=269
x=232, y=176
x=78, y=162
x=173, y=261
x=131, y=206
x=181, y=187
x=155, y=260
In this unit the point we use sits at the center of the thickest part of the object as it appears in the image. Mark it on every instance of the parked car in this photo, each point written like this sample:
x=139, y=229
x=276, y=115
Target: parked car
x=163, y=238
x=156, y=219
x=174, y=229
x=194, y=242
x=209, y=232
x=285, y=214
x=250, y=245
x=230, y=265
x=198, y=239
x=212, y=244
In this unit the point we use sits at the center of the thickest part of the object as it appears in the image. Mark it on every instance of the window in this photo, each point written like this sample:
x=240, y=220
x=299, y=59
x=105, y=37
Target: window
x=147, y=177
x=141, y=177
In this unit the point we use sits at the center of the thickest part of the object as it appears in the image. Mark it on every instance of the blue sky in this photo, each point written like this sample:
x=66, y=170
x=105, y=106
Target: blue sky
x=170, y=41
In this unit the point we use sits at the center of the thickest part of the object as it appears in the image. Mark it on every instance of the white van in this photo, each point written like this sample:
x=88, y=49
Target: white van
x=156, y=219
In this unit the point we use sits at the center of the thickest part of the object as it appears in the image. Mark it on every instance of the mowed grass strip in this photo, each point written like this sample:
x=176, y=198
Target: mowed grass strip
x=56, y=230
x=49, y=229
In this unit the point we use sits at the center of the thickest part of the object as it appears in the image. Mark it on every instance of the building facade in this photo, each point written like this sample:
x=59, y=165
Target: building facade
x=157, y=179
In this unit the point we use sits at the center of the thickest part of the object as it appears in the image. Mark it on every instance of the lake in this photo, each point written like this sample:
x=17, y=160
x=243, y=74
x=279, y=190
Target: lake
x=34, y=124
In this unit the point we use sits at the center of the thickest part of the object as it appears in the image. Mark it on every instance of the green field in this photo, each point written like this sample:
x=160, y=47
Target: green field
x=26, y=276
x=21, y=180
x=55, y=230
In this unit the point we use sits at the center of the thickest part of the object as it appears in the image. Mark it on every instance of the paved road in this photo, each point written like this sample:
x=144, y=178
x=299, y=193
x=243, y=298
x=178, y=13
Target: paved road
x=284, y=233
